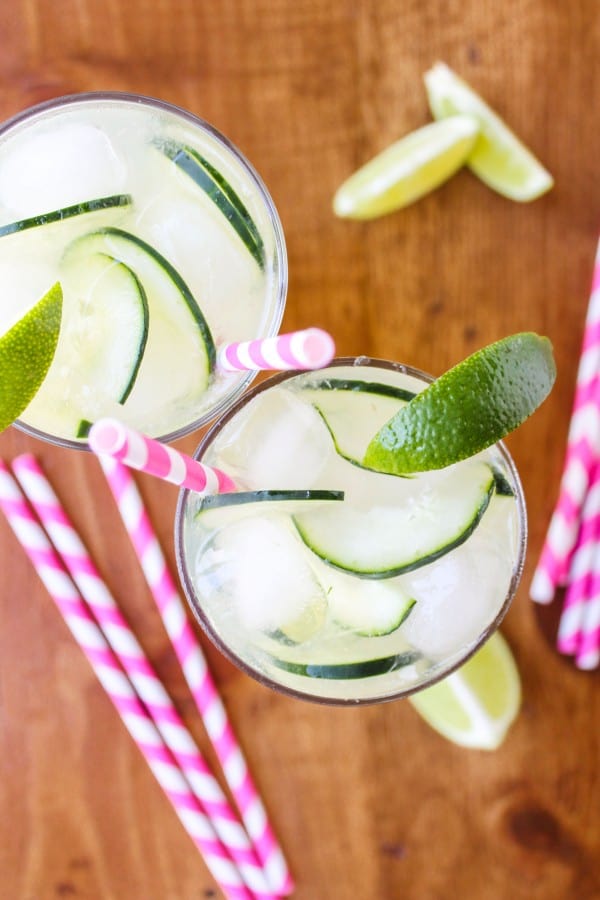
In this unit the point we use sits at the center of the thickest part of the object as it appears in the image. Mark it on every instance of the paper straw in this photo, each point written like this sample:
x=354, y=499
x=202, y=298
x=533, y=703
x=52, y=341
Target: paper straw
x=110, y=437
x=583, y=446
x=580, y=573
x=141, y=674
x=312, y=348
x=106, y=667
x=588, y=653
x=197, y=674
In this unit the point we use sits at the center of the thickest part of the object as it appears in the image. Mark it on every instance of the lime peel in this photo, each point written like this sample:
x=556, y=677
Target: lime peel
x=498, y=157
x=408, y=169
x=469, y=408
x=26, y=352
x=476, y=705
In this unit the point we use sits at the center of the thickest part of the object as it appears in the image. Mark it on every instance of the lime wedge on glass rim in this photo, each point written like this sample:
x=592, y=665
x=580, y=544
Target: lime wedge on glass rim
x=499, y=158
x=26, y=351
x=476, y=705
x=408, y=169
x=470, y=407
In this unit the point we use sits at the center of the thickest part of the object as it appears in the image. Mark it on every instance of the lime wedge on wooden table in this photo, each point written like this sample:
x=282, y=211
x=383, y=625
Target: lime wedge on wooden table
x=476, y=705
x=467, y=409
x=499, y=158
x=408, y=169
x=26, y=351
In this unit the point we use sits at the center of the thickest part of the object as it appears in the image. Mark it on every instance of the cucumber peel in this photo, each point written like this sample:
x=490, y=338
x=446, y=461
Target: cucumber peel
x=218, y=189
x=67, y=212
x=367, y=668
x=218, y=510
x=342, y=402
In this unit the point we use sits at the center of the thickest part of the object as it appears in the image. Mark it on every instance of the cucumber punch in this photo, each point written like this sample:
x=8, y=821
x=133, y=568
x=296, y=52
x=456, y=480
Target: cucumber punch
x=165, y=244
x=328, y=578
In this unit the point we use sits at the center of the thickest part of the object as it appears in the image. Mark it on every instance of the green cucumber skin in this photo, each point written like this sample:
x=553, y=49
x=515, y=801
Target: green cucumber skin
x=83, y=429
x=67, y=212
x=340, y=452
x=377, y=388
x=380, y=633
x=413, y=564
x=144, y=337
x=227, y=507
x=346, y=671
x=175, y=277
x=367, y=387
x=218, y=501
x=220, y=192
x=502, y=485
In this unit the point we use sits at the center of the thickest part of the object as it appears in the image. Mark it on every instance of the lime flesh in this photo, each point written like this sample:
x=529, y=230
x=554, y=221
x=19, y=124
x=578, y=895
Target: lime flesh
x=469, y=408
x=26, y=351
x=476, y=705
x=498, y=157
x=408, y=169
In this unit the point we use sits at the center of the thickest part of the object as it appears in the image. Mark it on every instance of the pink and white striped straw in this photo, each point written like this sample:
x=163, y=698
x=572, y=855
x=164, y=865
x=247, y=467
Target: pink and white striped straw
x=107, y=669
x=588, y=652
x=568, y=638
x=583, y=447
x=311, y=348
x=141, y=674
x=110, y=437
x=197, y=674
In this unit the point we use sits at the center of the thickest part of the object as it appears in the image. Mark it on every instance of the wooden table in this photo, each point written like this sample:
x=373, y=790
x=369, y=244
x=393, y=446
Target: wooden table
x=369, y=804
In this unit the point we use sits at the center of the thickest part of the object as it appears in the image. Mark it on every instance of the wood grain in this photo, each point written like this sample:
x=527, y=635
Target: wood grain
x=369, y=804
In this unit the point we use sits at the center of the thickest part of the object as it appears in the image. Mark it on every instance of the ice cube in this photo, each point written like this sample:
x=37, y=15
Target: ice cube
x=212, y=259
x=281, y=442
x=50, y=169
x=269, y=580
x=458, y=596
x=22, y=282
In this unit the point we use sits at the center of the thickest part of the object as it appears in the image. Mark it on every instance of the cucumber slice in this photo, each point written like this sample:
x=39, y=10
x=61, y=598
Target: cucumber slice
x=171, y=303
x=67, y=212
x=115, y=317
x=369, y=608
x=343, y=671
x=343, y=402
x=105, y=329
x=218, y=189
x=222, y=509
x=387, y=540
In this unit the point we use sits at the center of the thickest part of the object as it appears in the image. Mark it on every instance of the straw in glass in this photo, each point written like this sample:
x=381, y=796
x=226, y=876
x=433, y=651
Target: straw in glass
x=198, y=676
x=145, y=681
x=109, y=437
x=311, y=348
x=135, y=717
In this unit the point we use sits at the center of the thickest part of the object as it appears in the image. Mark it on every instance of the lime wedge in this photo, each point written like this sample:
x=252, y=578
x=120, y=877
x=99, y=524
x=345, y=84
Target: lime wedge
x=408, y=169
x=469, y=408
x=498, y=157
x=476, y=705
x=26, y=351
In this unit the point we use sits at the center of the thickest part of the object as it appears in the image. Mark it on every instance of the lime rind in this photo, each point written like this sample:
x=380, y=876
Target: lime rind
x=469, y=408
x=475, y=706
x=499, y=158
x=408, y=169
x=26, y=352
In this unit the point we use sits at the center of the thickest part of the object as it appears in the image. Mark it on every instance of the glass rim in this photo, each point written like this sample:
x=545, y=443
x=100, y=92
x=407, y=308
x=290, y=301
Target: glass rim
x=269, y=682
x=280, y=251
